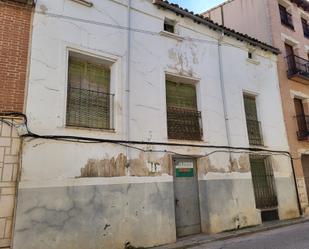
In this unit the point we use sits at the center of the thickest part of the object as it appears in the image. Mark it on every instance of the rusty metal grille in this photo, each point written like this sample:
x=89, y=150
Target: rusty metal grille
x=254, y=132
x=263, y=182
x=89, y=103
x=184, y=124
x=297, y=65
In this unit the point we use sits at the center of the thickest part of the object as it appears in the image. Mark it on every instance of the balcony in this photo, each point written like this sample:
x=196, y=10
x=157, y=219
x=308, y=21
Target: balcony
x=298, y=69
x=255, y=132
x=184, y=124
x=303, y=127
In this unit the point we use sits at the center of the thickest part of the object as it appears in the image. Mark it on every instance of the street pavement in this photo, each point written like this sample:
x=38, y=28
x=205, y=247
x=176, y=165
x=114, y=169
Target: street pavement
x=291, y=237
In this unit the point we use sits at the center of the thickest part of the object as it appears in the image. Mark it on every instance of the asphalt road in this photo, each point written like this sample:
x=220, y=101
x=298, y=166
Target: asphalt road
x=292, y=237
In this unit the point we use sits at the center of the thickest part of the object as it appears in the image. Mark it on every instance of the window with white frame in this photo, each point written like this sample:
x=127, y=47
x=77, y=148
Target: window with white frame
x=89, y=101
x=184, y=121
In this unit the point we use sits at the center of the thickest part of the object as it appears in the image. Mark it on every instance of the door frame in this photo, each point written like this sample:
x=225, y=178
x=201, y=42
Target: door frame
x=194, y=159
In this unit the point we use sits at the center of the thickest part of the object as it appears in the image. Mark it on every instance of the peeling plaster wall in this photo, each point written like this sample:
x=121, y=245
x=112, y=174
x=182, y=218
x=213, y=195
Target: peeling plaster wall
x=51, y=169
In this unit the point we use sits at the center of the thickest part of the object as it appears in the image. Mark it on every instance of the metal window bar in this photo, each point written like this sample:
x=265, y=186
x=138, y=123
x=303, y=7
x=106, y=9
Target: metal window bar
x=303, y=127
x=184, y=124
x=90, y=109
x=263, y=182
x=286, y=17
x=297, y=65
x=254, y=132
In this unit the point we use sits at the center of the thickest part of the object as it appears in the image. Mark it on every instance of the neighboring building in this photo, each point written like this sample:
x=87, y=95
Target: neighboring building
x=145, y=121
x=285, y=25
x=15, y=22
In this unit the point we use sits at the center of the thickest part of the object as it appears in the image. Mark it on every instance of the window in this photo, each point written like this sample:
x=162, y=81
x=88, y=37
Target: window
x=305, y=27
x=183, y=118
x=250, y=55
x=302, y=119
x=286, y=17
x=89, y=101
x=169, y=26
x=290, y=59
x=253, y=124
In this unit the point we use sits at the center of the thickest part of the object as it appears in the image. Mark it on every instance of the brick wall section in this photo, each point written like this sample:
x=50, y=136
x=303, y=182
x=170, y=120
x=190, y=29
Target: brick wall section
x=15, y=22
x=9, y=167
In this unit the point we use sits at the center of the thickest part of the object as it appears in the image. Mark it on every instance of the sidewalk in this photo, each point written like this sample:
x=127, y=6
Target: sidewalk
x=200, y=239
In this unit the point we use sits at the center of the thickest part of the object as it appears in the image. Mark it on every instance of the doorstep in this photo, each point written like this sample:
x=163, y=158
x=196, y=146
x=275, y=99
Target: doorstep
x=200, y=239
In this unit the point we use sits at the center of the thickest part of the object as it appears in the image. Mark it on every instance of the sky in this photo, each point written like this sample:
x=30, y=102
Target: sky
x=197, y=6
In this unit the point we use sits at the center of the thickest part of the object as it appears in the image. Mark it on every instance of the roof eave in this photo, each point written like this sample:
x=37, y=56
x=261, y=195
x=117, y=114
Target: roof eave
x=200, y=19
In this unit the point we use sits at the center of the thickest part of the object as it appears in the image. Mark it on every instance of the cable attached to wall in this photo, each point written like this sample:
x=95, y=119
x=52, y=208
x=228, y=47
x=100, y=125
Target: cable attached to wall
x=132, y=144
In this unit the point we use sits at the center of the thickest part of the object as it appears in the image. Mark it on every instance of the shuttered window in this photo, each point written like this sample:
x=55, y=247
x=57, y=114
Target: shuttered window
x=253, y=124
x=181, y=95
x=89, y=99
x=183, y=118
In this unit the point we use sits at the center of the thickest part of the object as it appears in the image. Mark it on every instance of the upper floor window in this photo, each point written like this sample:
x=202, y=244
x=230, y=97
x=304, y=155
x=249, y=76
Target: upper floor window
x=286, y=17
x=302, y=120
x=89, y=101
x=183, y=117
x=253, y=124
x=169, y=25
x=305, y=27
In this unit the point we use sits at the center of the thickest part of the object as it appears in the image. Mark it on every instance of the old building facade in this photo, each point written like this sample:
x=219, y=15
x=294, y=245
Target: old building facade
x=284, y=24
x=15, y=24
x=147, y=123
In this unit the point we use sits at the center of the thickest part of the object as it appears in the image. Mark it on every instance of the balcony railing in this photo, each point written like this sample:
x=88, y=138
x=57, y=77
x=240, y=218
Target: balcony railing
x=254, y=132
x=298, y=68
x=286, y=19
x=184, y=124
x=303, y=127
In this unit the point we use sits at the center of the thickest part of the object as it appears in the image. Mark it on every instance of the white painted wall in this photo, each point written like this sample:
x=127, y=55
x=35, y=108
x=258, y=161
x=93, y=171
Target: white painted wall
x=99, y=31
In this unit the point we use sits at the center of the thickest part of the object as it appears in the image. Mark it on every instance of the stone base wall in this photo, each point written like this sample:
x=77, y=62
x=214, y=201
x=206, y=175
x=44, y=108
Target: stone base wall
x=95, y=216
x=9, y=167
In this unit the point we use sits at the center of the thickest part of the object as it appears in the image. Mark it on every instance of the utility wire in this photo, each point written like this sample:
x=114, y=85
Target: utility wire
x=131, y=143
x=219, y=149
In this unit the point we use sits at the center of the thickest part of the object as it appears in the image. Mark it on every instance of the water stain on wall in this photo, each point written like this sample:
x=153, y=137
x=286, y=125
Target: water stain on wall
x=106, y=167
x=116, y=167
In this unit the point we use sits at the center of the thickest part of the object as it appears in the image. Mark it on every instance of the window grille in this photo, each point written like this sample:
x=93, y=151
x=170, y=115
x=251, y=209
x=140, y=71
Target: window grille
x=89, y=102
x=263, y=182
x=183, y=118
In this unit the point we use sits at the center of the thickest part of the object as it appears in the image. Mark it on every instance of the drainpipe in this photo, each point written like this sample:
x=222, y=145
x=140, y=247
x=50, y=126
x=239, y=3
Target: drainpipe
x=128, y=80
x=226, y=118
